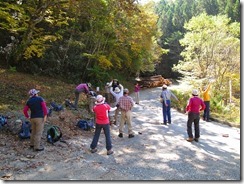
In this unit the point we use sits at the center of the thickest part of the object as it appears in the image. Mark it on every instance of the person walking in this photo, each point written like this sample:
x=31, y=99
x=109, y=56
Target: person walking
x=126, y=104
x=81, y=88
x=101, y=111
x=38, y=117
x=117, y=93
x=206, y=99
x=136, y=90
x=166, y=104
x=193, y=108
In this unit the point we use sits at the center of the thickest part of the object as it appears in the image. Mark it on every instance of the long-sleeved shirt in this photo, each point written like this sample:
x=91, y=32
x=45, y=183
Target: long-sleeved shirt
x=126, y=103
x=195, y=105
x=37, y=106
x=117, y=95
x=82, y=88
x=137, y=88
x=205, y=94
x=167, y=94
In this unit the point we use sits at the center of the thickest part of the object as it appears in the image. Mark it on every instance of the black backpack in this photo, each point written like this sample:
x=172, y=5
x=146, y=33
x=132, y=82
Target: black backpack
x=53, y=134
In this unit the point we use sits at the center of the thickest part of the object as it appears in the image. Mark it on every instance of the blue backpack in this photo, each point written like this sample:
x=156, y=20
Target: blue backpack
x=56, y=107
x=86, y=125
x=3, y=121
x=25, y=130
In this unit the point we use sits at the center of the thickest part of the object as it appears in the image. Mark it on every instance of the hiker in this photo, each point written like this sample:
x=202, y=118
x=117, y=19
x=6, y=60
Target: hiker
x=206, y=99
x=38, y=117
x=117, y=93
x=125, y=104
x=166, y=104
x=81, y=88
x=114, y=83
x=136, y=90
x=108, y=95
x=101, y=110
x=194, y=106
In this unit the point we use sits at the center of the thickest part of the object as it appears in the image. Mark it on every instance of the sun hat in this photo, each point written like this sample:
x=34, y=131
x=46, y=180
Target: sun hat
x=100, y=99
x=195, y=92
x=117, y=90
x=165, y=86
x=89, y=85
x=33, y=92
x=126, y=91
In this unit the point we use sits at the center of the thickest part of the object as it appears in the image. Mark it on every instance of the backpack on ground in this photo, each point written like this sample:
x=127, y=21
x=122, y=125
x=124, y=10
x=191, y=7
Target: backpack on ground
x=53, y=134
x=3, y=121
x=25, y=131
x=69, y=104
x=56, y=107
x=86, y=125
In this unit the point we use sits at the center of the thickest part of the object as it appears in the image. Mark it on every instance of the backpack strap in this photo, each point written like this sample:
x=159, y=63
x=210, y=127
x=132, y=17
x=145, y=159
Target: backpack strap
x=57, y=127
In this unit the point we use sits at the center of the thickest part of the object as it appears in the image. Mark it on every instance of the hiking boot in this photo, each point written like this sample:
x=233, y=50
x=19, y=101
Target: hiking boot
x=31, y=146
x=189, y=139
x=94, y=150
x=120, y=135
x=196, y=139
x=110, y=152
x=131, y=135
x=39, y=149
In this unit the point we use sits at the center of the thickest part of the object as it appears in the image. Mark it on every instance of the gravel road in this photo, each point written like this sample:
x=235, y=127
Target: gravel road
x=157, y=152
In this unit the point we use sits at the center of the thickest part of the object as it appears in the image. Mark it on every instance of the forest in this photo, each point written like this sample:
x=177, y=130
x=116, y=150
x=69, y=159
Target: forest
x=76, y=41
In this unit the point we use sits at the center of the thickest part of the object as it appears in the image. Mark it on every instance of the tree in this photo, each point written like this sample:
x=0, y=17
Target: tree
x=211, y=50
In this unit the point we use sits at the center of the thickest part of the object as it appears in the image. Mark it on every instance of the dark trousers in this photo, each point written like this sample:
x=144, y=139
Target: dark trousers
x=106, y=129
x=206, y=110
x=167, y=112
x=193, y=117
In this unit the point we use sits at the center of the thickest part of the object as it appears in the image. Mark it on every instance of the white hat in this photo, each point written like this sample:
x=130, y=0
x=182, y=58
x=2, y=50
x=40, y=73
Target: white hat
x=100, y=99
x=117, y=90
x=89, y=85
x=126, y=91
x=33, y=92
x=195, y=92
x=165, y=86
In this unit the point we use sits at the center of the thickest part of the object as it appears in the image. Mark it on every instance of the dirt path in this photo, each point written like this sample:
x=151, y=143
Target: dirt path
x=160, y=152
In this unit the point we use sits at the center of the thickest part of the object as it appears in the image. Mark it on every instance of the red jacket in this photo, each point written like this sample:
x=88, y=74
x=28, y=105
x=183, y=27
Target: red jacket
x=195, y=105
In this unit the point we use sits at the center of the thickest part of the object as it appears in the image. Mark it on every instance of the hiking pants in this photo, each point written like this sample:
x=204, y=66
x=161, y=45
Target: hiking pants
x=167, y=112
x=206, y=110
x=77, y=96
x=37, y=125
x=137, y=97
x=106, y=130
x=193, y=117
x=125, y=117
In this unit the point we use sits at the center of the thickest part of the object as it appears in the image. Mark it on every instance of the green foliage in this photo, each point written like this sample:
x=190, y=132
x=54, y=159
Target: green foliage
x=183, y=97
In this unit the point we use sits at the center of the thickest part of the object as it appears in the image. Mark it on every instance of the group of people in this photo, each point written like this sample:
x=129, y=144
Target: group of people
x=123, y=103
x=193, y=108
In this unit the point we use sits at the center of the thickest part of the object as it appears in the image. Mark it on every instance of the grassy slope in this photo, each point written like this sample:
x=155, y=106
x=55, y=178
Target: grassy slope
x=14, y=87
